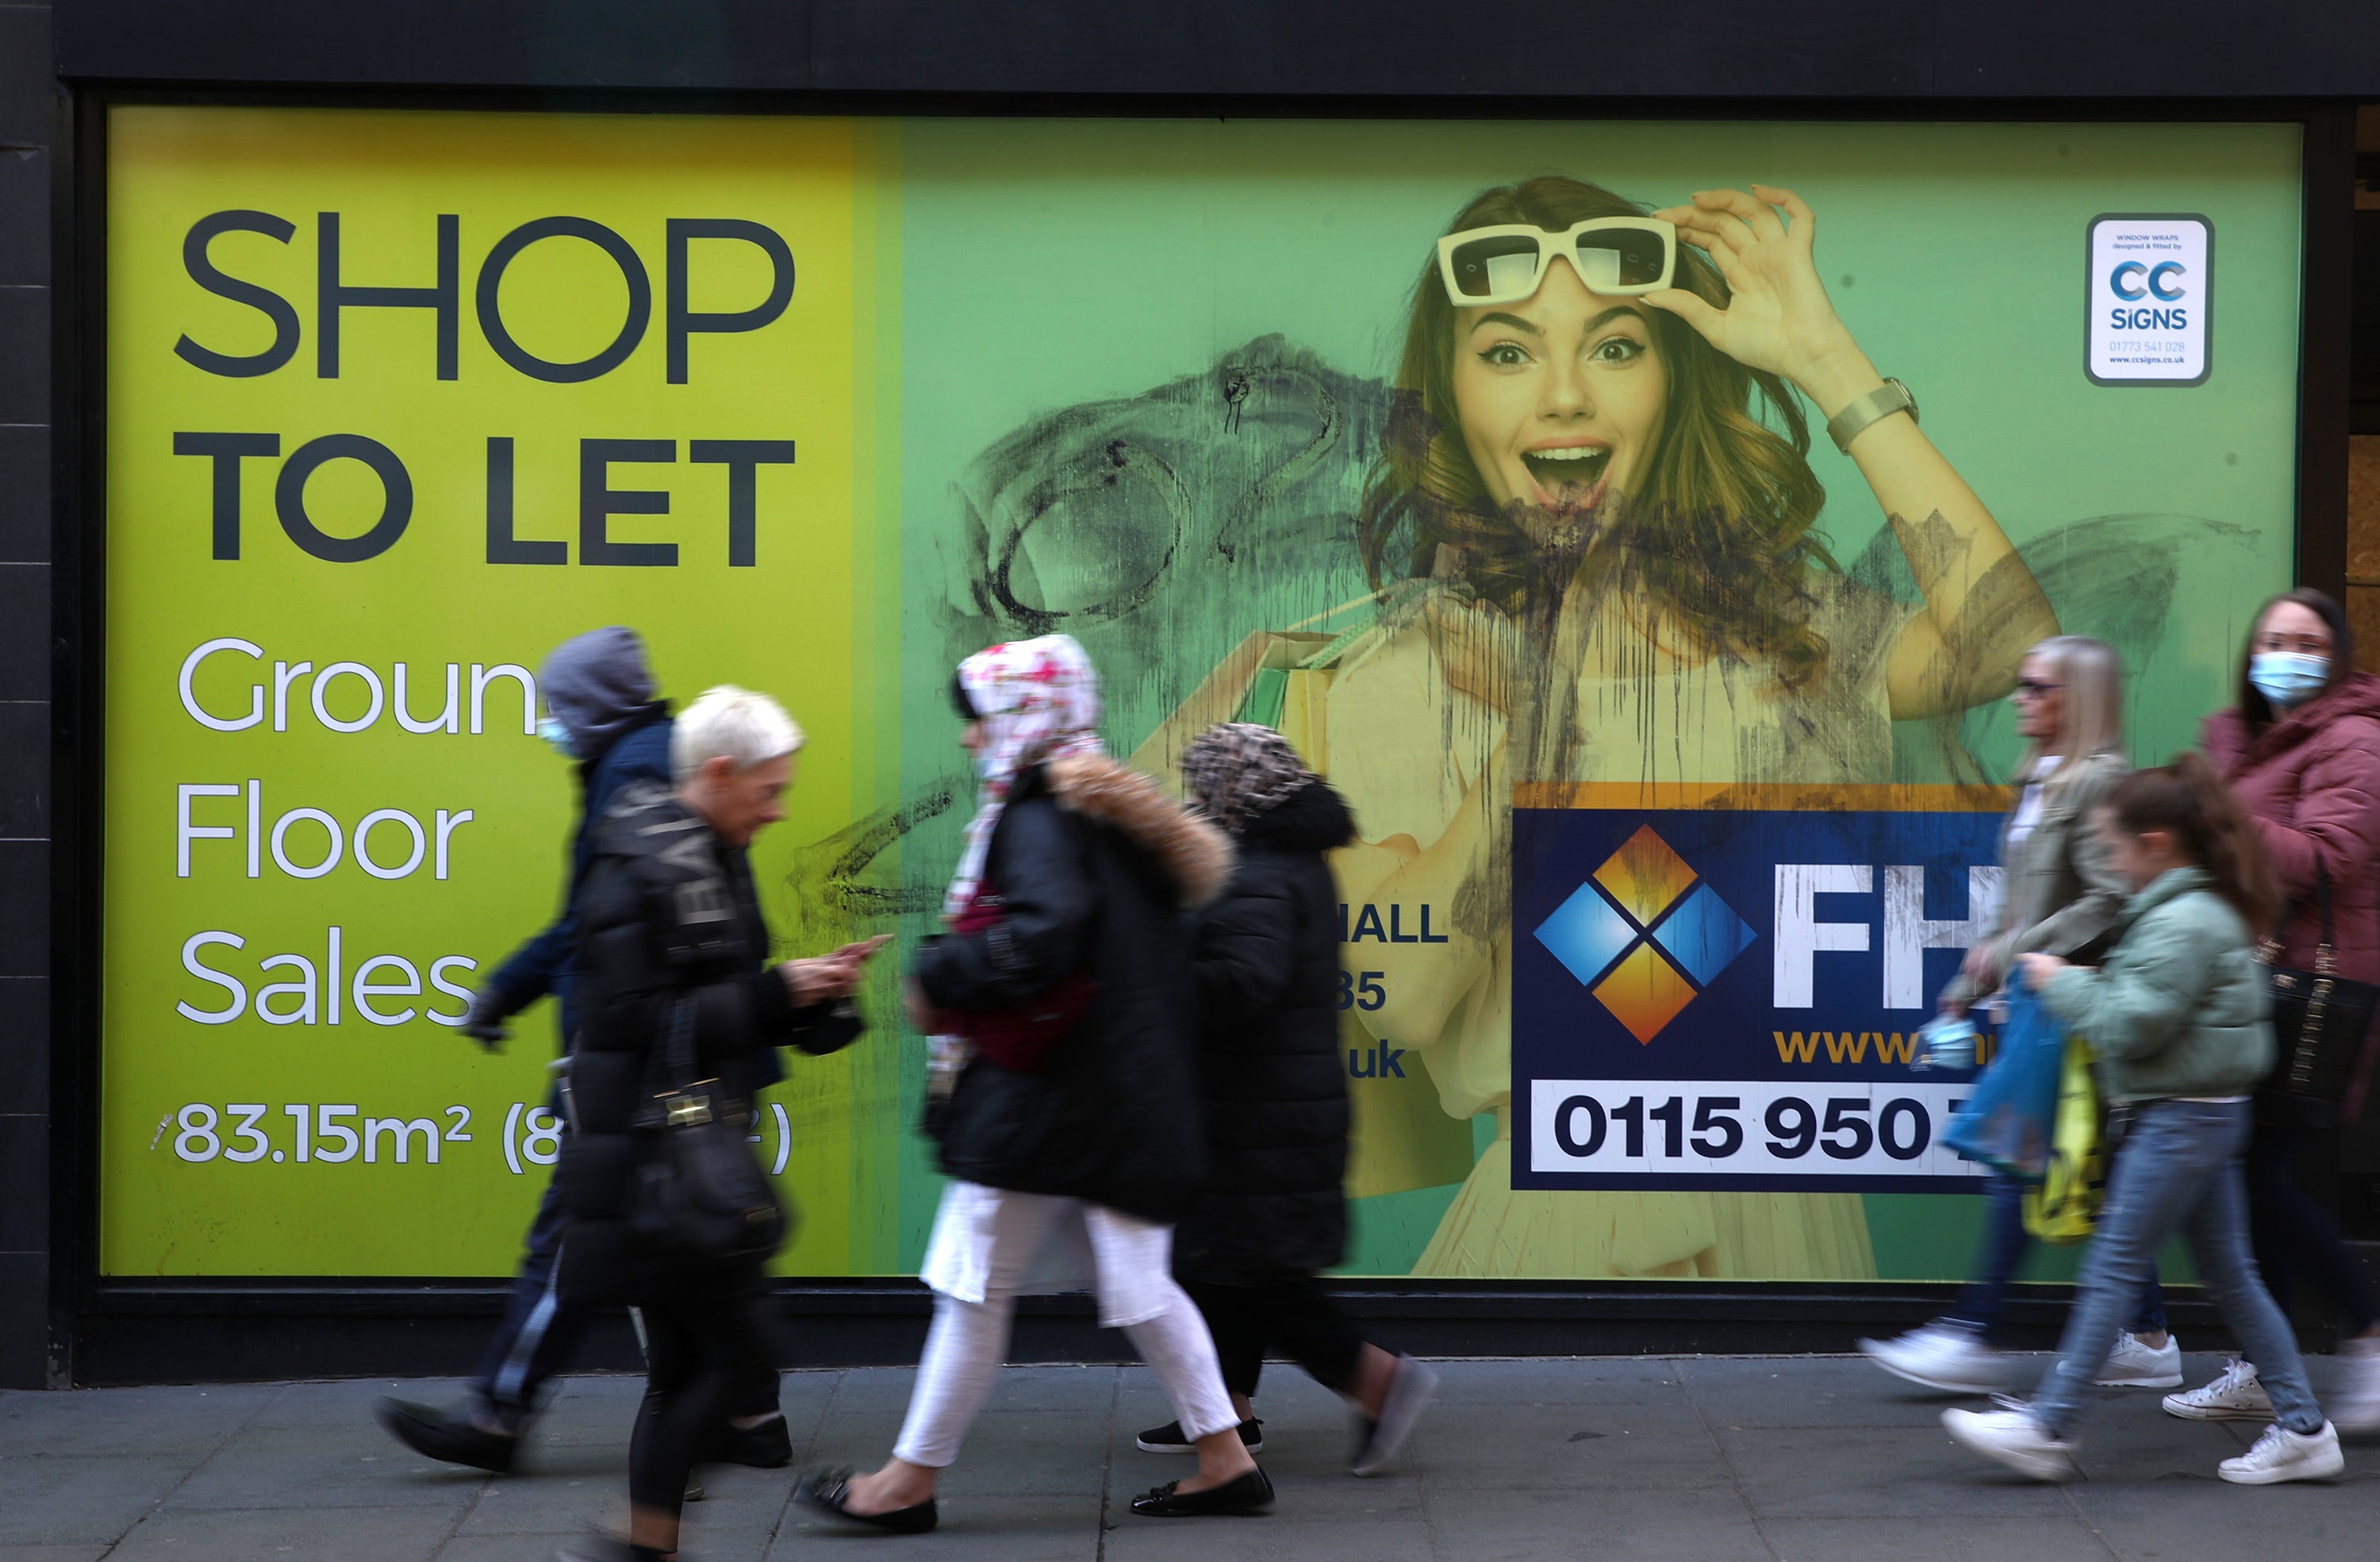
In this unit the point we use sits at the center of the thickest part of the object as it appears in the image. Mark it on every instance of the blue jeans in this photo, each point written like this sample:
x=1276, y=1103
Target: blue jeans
x=2004, y=1244
x=540, y=1327
x=2179, y=1168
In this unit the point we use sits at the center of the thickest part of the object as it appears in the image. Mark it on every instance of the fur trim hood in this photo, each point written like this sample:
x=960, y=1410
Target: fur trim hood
x=1196, y=855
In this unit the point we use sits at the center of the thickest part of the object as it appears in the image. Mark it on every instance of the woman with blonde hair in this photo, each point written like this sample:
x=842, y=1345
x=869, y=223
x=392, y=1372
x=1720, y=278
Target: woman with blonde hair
x=2060, y=895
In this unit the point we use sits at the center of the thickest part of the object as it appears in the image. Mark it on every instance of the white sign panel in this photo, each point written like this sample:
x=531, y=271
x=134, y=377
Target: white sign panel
x=1748, y=1133
x=2151, y=299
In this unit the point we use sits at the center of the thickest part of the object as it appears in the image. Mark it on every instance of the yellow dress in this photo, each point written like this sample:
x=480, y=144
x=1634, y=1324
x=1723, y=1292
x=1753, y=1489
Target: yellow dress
x=1406, y=747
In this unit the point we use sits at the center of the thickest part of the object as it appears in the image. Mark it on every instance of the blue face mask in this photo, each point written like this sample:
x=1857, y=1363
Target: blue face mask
x=2289, y=678
x=558, y=736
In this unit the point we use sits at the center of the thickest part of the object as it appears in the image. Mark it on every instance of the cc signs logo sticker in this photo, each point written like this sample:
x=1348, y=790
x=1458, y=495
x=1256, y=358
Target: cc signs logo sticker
x=2149, y=293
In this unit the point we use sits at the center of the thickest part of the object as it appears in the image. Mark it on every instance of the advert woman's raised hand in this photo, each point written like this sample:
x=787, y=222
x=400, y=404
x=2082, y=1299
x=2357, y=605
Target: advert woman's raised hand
x=1779, y=318
x=1982, y=608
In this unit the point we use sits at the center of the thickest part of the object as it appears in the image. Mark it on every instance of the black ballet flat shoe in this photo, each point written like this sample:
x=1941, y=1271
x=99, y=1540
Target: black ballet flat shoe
x=1251, y=1493
x=824, y=1490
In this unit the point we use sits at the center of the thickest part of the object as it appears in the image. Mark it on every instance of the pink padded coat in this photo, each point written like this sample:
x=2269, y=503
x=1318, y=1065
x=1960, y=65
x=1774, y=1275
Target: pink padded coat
x=2312, y=781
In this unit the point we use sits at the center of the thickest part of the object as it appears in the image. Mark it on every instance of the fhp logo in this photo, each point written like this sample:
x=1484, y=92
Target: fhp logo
x=1643, y=936
x=1646, y=938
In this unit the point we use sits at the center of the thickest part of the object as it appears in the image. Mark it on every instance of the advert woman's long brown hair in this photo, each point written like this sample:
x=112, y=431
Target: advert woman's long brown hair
x=1720, y=533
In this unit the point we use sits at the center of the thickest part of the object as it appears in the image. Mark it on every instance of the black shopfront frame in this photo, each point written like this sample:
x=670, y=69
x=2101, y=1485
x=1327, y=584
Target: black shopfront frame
x=116, y=1329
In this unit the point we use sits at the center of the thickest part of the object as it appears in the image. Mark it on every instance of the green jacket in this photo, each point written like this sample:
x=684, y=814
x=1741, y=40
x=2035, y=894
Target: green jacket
x=2180, y=1006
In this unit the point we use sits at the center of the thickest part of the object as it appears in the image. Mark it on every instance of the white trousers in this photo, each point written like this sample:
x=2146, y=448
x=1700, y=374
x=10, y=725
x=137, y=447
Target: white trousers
x=990, y=1246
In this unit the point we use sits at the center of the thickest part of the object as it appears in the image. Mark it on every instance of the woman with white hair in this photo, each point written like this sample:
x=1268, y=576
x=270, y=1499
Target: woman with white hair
x=680, y=1003
x=2059, y=894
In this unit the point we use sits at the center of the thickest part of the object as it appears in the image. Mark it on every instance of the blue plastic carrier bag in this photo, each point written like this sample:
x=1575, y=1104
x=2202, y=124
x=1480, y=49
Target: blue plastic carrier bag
x=2008, y=1123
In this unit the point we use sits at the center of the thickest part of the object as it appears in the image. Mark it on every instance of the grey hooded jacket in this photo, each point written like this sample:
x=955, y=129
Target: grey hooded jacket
x=599, y=687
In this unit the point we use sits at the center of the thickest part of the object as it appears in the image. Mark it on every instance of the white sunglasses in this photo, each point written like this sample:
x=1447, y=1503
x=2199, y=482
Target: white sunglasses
x=1507, y=263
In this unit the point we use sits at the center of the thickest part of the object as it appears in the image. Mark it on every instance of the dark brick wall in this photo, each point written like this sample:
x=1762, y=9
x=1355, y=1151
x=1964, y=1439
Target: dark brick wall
x=27, y=115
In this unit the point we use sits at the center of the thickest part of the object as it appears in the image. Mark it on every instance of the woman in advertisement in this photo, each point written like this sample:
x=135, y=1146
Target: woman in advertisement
x=1593, y=522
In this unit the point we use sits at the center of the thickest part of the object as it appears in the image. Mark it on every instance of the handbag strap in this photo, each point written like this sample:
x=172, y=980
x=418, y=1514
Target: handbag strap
x=681, y=1036
x=669, y=1068
x=2326, y=960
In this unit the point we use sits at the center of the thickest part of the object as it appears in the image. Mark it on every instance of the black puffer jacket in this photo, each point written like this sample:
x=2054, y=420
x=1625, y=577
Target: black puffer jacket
x=1094, y=864
x=1276, y=1092
x=667, y=917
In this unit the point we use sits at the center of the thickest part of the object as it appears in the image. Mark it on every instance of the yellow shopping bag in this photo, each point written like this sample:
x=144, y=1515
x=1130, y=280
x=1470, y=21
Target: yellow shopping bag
x=2065, y=1206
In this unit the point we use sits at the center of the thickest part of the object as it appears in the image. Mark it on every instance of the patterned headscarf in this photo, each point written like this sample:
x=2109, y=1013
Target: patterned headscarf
x=1237, y=770
x=1037, y=700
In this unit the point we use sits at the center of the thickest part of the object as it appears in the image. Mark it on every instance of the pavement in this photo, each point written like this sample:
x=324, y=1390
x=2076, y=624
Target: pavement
x=1664, y=1458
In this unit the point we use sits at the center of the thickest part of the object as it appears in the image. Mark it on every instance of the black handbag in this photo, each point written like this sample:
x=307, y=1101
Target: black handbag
x=2319, y=1017
x=699, y=1193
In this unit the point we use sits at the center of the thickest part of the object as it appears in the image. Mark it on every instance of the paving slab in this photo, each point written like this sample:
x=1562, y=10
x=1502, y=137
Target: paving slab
x=302, y=1535
x=2164, y=1520
x=1679, y=1458
x=2059, y=1538
x=323, y=1467
x=165, y=1421
x=1530, y=1526
x=1276, y=1539
x=1652, y=1445
x=55, y=1499
x=1877, y=1472
x=1784, y=1392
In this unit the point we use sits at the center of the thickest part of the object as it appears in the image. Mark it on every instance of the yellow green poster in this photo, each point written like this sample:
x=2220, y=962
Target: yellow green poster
x=398, y=401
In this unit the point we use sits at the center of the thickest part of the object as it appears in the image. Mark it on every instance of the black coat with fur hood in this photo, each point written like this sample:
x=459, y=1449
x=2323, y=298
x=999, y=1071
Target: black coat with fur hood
x=1276, y=1092
x=1094, y=865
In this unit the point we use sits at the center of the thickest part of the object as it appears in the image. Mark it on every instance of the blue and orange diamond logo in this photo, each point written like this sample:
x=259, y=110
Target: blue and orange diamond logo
x=1643, y=936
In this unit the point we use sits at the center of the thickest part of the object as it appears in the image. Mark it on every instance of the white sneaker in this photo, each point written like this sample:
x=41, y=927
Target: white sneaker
x=2283, y=1455
x=2355, y=1403
x=2132, y=1364
x=2236, y=1396
x=2015, y=1439
x=1942, y=1354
